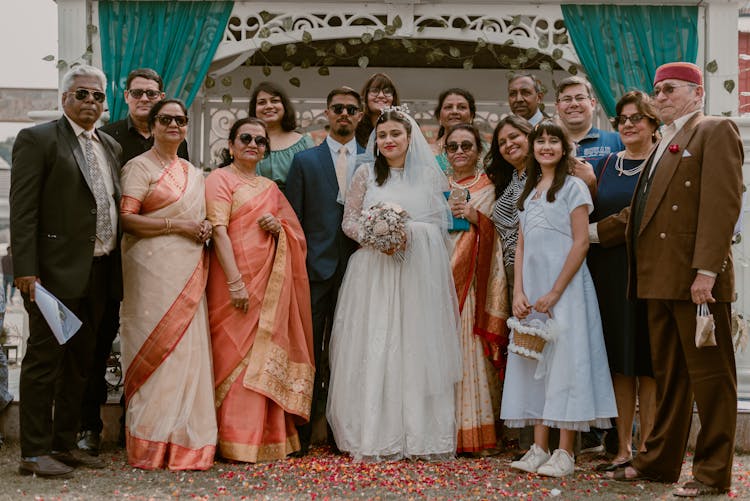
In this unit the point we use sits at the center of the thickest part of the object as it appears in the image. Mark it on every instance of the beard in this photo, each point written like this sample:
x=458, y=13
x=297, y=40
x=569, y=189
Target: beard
x=343, y=129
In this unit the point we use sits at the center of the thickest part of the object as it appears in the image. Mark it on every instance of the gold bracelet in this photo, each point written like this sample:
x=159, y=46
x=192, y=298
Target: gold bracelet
x=237, y=289
x=235, y=280
x=168, y=226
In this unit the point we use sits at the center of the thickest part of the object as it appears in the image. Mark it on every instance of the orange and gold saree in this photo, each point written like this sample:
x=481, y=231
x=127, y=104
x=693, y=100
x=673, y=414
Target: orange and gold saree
x=170, y=418
x=477, y=264
x=263, y=359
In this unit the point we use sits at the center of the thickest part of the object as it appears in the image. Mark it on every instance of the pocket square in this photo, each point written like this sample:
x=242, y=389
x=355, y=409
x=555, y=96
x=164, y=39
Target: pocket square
x=686, y=153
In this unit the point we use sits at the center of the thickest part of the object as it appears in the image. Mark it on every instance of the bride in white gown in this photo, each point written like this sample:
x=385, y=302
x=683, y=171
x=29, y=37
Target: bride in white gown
x=395, y=353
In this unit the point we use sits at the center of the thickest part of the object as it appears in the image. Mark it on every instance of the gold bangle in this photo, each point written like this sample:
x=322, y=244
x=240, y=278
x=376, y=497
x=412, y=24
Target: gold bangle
x=235, y=280
x=168, y=226
x=237, y=289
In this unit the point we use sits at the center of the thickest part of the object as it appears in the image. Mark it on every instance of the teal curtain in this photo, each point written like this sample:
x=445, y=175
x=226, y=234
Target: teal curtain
x=620, y=46
x=177, y=39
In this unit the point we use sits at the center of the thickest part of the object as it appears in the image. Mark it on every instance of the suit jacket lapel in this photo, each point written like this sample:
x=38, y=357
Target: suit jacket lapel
x=326, y=164
x=68, y=136
x=667, y=166
x=113, y=162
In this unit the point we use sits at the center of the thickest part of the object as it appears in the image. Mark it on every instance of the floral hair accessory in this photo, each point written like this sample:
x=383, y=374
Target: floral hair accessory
x=673, y=148
x=402, y=108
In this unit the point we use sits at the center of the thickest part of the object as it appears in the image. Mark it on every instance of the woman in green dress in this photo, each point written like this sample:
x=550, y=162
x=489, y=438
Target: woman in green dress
x=271, y=104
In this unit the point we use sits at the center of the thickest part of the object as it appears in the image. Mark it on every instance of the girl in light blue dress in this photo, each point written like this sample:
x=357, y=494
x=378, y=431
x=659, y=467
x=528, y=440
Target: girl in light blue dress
x=572, y=390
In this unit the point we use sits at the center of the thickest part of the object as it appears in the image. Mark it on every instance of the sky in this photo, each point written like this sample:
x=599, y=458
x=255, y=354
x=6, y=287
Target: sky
x=28, y=33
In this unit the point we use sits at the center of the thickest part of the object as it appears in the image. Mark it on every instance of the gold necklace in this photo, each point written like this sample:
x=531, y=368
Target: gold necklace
x=158, y=157
x=249, y=179
x=456, y=184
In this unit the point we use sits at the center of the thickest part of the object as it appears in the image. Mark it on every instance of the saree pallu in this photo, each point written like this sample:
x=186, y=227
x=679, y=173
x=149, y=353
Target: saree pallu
x=170, y=418
x=263, y=359
x=477, y=264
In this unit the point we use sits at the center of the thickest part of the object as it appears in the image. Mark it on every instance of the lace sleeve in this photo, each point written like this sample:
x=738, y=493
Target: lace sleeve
x=354, y=198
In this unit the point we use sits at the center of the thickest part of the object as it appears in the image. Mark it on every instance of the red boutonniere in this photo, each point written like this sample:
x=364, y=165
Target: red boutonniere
x=673, y=148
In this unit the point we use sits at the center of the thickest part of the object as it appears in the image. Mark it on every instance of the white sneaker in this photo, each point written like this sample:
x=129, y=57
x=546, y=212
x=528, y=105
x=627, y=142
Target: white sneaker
x=561, y=464
x=532, y=460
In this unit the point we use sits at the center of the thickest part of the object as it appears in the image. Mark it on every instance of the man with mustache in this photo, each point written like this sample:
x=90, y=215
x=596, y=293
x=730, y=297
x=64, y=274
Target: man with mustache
x=316, y=188
x=525, y=94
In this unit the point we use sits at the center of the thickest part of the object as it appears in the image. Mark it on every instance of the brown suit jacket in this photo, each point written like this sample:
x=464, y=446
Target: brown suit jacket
x=689, y=216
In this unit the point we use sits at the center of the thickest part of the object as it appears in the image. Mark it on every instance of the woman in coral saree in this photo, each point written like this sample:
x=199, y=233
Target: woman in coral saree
x=170, y=418
x=259, y=306
x=477, y=264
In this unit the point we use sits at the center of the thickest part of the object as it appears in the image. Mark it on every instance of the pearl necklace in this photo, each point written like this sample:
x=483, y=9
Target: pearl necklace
x=628, y=172
x=251, y=180
x=455, y=184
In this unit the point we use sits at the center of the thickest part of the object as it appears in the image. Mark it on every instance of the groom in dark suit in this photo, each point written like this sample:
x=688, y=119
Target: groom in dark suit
x=316, y=187
x=64, y=200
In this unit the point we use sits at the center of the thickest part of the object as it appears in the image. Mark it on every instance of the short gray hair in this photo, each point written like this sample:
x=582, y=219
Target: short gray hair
x=83, y=70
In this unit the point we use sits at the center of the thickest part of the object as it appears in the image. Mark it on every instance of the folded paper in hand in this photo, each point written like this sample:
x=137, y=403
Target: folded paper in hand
x=63, y=323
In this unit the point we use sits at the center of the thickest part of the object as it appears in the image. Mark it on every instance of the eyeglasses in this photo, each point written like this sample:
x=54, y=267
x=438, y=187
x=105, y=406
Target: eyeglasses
x=452, y=147
x=635, y=118
x=374, y=91
x=166, y=120
x=339, y=109
x=569, y=99
x=668, y=89
x=82, y=94
x=150, y=93
x=260, y=141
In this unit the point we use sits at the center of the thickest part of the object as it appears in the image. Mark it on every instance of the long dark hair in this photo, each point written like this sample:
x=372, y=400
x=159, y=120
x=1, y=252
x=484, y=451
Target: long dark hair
x=498, y=169
x=382, y=170
x=289, y=120
x=459, y=92
x=226, y=156
x=534, y=170
x=364, y=127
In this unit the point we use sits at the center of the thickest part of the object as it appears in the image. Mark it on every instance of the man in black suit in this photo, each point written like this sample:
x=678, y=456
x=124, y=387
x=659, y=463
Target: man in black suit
x=143, y=89
x=315, y=188
x=64, y=200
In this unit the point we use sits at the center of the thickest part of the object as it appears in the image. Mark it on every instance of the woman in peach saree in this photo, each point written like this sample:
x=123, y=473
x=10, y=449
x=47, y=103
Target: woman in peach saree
x=170, y=419
x=259, y=306
x=477, y=263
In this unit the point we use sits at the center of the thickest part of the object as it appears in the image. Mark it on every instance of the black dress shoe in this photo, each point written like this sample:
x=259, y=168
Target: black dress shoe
x=44, y=466
x=76, y=458
x=90, y=442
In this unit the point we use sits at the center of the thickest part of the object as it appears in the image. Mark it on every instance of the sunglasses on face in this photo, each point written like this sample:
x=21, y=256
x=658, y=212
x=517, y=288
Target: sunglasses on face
x=260, y=141
x=165, y=120
x=667, y=89
x=374, y=91
x=635, y=118
x=339, y=109
x=150, y=93
x=452, y=147
x=82, y=94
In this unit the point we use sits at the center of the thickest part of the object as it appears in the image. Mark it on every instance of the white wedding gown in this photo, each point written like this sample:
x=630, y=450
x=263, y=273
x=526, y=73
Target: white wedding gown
x=395, y=354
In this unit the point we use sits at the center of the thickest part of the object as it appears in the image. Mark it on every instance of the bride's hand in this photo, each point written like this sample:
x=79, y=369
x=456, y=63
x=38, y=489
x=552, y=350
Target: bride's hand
x=401, y=247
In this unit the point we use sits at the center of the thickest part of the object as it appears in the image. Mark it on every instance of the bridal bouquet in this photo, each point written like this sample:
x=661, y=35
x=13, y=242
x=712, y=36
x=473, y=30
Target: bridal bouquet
x=383, y=227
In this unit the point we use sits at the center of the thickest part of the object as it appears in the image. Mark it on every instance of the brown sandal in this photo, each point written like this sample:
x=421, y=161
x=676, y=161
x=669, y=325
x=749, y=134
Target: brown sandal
x=694, y=489
x=620, y=474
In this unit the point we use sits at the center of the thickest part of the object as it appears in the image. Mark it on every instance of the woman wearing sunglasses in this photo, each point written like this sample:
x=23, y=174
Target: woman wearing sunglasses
x=477, y=263
x=258, y=305
x=164, y=329
x=271, y=104
x=624, y=321
x=379, y=92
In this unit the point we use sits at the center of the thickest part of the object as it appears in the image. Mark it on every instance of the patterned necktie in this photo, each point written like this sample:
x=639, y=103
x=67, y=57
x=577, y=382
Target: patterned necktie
x=342, y=166
x=103, y=222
